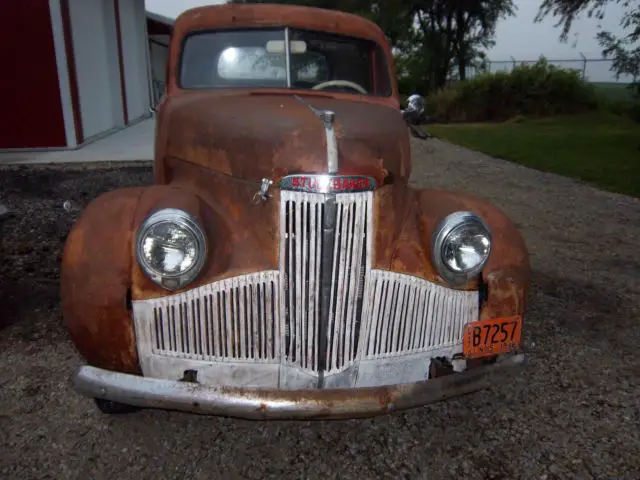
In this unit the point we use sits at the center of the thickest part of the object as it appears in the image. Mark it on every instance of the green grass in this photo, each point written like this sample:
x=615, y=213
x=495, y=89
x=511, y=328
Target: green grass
x=599, y=148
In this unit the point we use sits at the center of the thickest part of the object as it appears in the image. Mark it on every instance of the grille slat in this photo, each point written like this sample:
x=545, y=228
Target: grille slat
x=410, y=319
x=356, y=278
x=302, y=285
x=314, y=271
x=317, y=281
x=386, y=316
x=372, y=325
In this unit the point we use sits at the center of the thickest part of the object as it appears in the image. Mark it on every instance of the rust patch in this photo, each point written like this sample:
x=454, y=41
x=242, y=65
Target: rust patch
x=95, y=278
x=243, y=237
x=285, y=135
x=405, y=220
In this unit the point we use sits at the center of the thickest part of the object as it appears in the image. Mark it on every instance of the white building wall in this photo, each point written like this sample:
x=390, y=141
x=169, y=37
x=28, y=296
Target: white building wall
x=96, y=58
x=135, y=57
x=63, y=72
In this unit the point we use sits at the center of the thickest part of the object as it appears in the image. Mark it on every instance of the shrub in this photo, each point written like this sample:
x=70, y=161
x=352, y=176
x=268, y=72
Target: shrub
x=629, y=108
x=633, y=111
x=441, y=103
x=529, y=90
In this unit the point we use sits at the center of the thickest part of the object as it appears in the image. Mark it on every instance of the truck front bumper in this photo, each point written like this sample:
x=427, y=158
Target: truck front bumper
x=262, y=404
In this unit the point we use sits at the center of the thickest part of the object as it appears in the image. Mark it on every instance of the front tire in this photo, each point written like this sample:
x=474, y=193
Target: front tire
x=114, y=408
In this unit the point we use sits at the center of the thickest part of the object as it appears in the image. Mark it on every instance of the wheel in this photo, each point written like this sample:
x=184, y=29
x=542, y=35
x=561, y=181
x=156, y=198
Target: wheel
x=114, y=408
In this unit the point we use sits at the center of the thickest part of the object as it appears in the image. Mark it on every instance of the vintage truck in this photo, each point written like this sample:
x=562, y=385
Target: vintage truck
x=281, y=266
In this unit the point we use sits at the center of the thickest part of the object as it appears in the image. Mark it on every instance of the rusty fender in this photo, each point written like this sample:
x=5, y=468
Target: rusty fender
x=100, y=275
x=408, y=249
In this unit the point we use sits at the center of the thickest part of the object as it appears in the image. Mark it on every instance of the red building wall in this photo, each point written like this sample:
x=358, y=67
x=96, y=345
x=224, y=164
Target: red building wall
x=30, y=106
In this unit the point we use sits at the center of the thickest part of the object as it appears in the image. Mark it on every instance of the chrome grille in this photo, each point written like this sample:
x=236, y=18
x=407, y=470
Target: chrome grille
x=305, y=217
x=408, y=315
x=231, y=319
x=301, y=224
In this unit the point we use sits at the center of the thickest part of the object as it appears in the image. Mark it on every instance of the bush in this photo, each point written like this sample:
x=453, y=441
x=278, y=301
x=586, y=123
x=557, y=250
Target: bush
x=629, y=108
x=528, y=90
x=633, y=111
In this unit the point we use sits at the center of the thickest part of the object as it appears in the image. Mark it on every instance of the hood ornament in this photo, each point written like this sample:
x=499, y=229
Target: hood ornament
x=327, y=117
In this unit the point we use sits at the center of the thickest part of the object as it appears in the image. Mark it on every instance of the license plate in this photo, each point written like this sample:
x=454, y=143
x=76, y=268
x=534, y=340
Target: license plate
x=491, y=337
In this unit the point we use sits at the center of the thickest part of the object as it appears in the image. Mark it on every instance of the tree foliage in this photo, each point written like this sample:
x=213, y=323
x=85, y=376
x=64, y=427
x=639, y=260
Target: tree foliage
x=624, y=49
x=432, y=39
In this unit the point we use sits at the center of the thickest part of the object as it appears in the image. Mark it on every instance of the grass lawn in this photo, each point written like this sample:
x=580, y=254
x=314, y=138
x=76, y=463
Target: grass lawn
x=603, y=149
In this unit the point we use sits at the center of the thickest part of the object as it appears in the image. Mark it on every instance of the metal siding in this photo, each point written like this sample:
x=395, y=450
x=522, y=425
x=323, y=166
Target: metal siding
x=134, y=58
x=93, y=29
x=31, y=114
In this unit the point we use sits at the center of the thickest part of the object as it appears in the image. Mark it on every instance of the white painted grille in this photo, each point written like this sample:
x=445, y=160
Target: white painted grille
x=407, y=314
x=230, y=319
x=303, y=220
x=274, y=318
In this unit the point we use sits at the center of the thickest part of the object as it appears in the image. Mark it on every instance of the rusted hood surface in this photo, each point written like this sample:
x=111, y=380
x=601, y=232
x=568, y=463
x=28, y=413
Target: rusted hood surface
x=254, y=136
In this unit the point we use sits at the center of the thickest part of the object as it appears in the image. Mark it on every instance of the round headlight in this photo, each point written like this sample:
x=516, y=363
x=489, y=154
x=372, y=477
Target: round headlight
x=461, y=247
x=171, y=248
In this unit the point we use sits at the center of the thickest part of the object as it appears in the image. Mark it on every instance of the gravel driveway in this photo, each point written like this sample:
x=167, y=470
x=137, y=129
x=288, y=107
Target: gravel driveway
x=572, y=412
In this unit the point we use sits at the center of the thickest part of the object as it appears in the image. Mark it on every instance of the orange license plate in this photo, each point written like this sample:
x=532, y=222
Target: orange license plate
x=490, y=337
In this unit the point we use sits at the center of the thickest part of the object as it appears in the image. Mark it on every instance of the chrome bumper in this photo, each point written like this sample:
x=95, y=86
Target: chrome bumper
x=281, y=404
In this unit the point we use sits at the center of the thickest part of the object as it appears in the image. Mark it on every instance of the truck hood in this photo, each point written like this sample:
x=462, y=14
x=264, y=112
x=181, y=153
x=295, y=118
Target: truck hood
x=254, y=136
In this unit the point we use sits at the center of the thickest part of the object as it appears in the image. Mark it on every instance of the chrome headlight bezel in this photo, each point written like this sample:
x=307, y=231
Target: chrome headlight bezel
x=184, y=221
x=440, y=236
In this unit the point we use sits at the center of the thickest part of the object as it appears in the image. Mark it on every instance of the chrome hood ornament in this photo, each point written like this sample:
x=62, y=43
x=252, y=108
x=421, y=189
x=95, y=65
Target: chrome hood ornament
x=327, y=117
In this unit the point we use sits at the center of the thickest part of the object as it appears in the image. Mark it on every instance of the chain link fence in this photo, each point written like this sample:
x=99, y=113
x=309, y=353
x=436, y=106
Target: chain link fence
x=594, y=70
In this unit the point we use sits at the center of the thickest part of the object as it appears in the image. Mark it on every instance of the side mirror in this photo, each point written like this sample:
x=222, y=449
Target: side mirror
x=416, y=103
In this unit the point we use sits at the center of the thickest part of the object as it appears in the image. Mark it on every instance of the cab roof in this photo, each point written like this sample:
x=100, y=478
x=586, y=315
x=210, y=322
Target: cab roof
x=274, y=15
x=238, y=16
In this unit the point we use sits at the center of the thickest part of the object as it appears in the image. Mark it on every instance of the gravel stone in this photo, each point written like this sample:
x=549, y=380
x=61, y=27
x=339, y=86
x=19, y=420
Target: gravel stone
x=571, y=412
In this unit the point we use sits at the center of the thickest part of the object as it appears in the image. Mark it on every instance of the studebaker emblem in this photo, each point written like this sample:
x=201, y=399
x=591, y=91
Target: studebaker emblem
x=328, y=183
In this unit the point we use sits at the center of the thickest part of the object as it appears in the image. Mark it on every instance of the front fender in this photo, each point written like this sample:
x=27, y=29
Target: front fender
x=100, y=276
x=95, y=281
x=507, y=273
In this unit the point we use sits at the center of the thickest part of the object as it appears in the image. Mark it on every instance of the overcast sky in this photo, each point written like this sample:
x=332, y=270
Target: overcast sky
x=517, y=36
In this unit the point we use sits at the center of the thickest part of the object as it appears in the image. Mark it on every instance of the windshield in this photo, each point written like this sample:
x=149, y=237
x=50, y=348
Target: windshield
x=257, y=58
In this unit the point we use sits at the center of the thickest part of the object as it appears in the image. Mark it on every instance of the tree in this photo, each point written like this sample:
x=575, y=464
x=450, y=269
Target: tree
x=452, y=33
x=476, y=28
x=430, y=38
x=624, y=50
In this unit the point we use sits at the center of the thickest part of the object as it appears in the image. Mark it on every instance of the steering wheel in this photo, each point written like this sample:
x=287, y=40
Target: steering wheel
x=340, y=83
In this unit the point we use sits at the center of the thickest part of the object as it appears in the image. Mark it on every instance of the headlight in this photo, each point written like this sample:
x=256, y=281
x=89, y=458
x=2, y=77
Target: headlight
x=461, y=247
x=171, y=248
